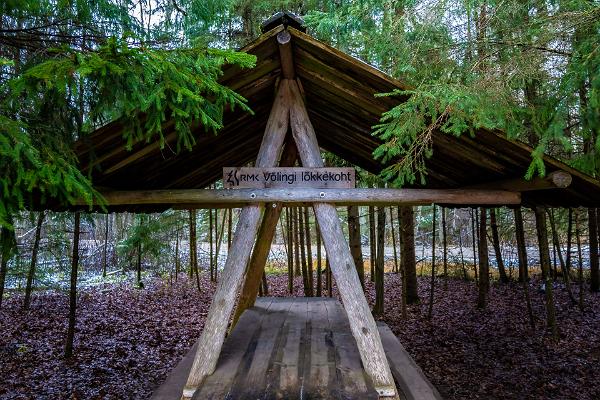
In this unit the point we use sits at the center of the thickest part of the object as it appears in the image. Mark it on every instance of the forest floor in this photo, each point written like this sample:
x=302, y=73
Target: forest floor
x=128, y=340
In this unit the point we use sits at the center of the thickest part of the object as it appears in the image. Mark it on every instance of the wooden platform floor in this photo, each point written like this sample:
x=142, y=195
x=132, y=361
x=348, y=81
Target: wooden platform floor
x=297, y=348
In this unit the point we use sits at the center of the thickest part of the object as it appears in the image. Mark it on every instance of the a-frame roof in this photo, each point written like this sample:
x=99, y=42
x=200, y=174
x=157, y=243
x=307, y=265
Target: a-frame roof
x=339, y=92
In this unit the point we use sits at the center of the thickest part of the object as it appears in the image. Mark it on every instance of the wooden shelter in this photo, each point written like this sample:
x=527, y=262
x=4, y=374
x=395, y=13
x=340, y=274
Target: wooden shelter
x=306, y=95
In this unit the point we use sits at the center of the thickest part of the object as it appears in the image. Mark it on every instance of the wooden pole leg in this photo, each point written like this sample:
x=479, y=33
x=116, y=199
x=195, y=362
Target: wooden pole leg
x=257, y=263
x=362, y=323
x=213, y=335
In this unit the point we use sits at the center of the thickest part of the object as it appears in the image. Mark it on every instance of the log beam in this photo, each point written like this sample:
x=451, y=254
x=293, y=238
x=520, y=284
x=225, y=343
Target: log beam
x=553, y=180
x=284, y=39
x=361, y=320
x=215, y=328
x=231, y=198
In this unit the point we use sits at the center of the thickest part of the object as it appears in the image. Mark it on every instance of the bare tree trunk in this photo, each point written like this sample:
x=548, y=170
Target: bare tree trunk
x=579, y=260
x=305, y=279
x=355, y=245
x=309, y=259
x=484, y=274
x=445, y=245
x=105, y=250
x=73, y=288
x=474, y=236
x=542, y=233
x=396, y=269
x=290, y=249
x=219, y=235
x=8, y=241
x=372, y=242
x=229, y=227
x=193, y=245
x=523, y=268
x=462, y=256
x=210, y=244
x=379, y=262
x=563, y=267
x=407, y=254
x=298, y=269
x=521, y=247
x=34, y=254
x=432, y=284
x=319, y=263
x=593, y=240
x=496, y=244
x=177, y=264
x=329, y=280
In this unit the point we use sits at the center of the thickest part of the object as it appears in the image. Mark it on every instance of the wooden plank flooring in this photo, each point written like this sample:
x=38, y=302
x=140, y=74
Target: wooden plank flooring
x=298, y=348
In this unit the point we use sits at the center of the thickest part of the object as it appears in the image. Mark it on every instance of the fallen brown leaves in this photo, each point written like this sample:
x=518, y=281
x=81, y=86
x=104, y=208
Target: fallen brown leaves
x=128, y=340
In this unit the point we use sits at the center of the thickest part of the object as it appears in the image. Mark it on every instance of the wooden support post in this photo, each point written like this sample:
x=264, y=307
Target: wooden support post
x=264, y=239
x=213, y=335
x=362, y=323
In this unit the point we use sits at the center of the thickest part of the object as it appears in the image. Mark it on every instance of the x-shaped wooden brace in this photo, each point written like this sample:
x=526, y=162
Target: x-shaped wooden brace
x=289, y=110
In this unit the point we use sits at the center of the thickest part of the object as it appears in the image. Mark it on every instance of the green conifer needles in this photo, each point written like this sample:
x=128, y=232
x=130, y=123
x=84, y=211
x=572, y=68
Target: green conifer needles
x=52, y=103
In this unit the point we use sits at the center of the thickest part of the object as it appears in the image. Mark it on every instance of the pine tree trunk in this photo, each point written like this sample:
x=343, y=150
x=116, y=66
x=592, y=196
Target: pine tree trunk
x=177, y=256
x=298, y=265
x=523, y=267
x=496, y=244
x=229, y=227
x=579, y=260
x=309, y=259
x=138, y=264
x=542, y=233
x=474, y=237
x=73, y=288
x=372, y=243
x=301, y=231
x=355, y=244
x=462, y=256
x=445, y=245
x=394, y=242
x=379, y=262
x=193, y=245
x=521, y=247
x=105, y=250
x=407, y=253
x=34, y=254
x=329, y=277
x=7, y=239
x=563, y=267
x=290, y=250
x=210, y=245
x=484, y=275
x=219, y=235
x=319, y=264
x=432, y=284
x=593, y=241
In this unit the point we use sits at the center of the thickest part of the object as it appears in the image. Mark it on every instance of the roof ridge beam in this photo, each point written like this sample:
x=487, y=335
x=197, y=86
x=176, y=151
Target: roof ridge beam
x=284, y=39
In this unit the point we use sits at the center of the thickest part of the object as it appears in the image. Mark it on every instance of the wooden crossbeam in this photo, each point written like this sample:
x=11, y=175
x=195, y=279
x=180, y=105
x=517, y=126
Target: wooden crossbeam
x=215, y=327
x=361, y=320
x=229, y=198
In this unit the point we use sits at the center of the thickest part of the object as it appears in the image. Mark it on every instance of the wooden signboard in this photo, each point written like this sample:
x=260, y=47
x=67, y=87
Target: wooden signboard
x=262, y=178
